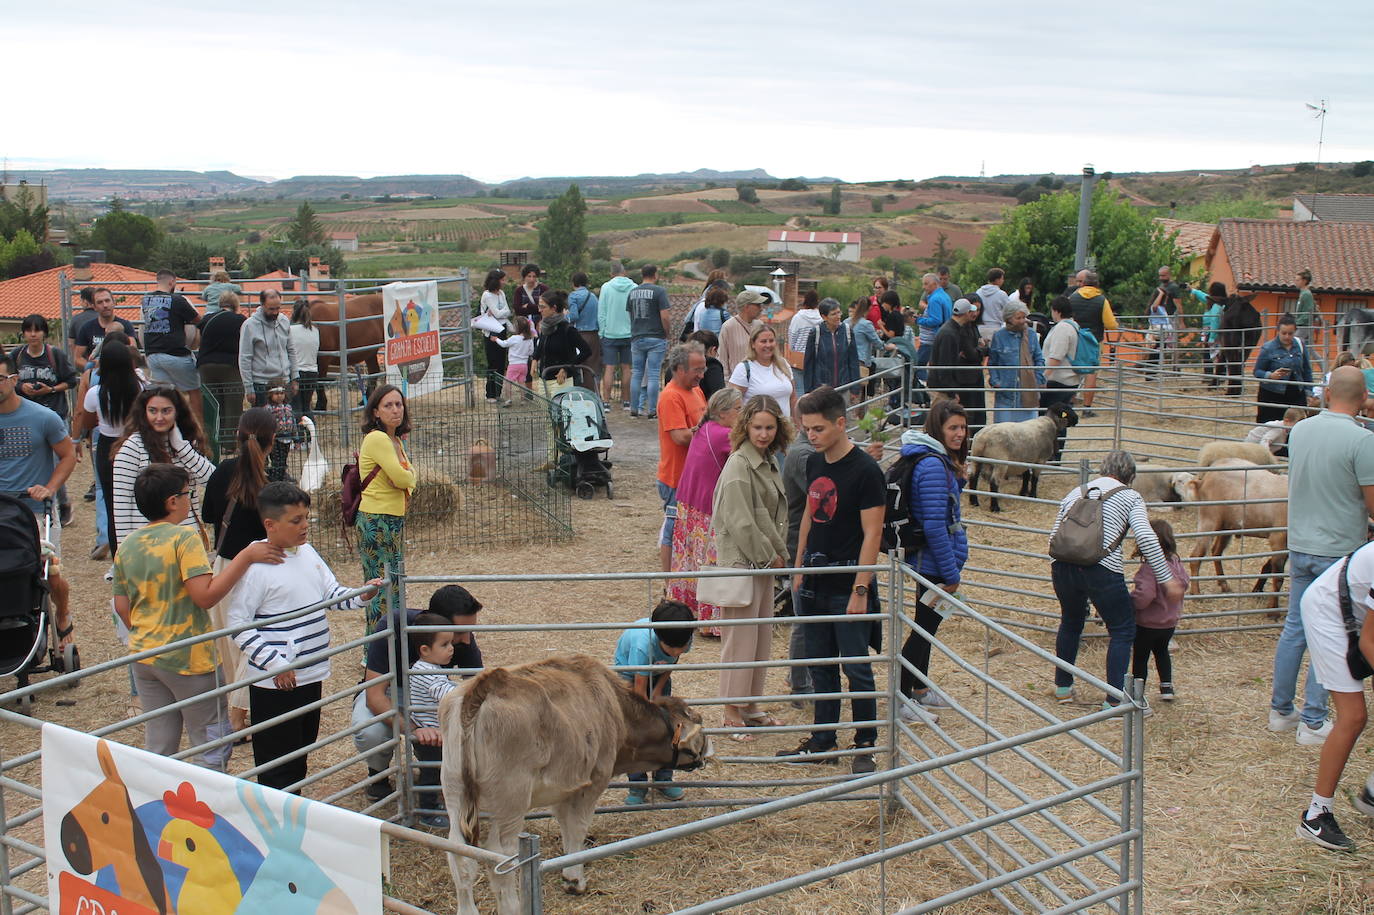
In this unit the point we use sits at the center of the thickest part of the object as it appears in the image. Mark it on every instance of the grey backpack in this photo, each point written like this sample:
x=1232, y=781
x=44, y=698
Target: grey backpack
x=1079, y=538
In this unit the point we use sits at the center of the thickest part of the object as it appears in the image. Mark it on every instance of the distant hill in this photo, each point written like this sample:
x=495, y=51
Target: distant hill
x=133, y=184
x=630, y=184
x=303, y=187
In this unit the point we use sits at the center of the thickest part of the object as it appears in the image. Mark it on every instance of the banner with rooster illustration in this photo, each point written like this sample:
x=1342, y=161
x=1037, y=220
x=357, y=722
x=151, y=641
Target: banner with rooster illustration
x=410, y=313
x=135, y=833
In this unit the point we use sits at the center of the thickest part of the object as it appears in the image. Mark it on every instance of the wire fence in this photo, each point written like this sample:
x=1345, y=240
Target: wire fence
x=1038, y=811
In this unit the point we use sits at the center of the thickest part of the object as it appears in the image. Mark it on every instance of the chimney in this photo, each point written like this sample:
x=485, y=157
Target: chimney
x=790, y=298
x=95, y=255
x=216, y=265
x=314, y=271
x=81, y=268
x=512, y=261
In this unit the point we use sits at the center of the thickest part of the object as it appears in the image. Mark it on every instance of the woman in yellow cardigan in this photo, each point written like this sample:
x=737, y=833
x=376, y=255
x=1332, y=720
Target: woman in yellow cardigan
x=382, y=511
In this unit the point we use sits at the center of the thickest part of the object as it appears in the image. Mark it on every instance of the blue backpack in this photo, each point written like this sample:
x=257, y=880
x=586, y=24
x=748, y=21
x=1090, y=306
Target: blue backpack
x=1086, y=356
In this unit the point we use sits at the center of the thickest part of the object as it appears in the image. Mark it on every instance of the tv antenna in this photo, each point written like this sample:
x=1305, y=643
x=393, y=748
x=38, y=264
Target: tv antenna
x=1320, y=115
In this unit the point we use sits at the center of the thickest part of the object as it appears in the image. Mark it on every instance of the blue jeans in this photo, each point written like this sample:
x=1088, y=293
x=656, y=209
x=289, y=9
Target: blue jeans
x=660, y=775
x=102, y=524
x=847, y=640
x=1303, y=569
x=923, y=359
x=669, y=496
x=646, y=362
x=1075, y=586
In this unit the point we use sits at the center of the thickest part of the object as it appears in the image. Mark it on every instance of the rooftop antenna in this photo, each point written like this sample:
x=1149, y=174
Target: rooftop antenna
x=1320, y=109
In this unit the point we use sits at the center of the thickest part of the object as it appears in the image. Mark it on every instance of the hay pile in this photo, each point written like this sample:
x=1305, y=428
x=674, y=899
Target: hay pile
x=436, y=500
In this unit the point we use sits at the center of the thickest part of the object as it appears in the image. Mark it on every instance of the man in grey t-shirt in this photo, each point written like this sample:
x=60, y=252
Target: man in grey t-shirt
x=649, y=321
x=1330, y=500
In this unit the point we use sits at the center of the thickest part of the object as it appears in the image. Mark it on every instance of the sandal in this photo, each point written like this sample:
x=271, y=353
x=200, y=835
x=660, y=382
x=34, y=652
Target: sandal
x=763, y=720
x=741, y=737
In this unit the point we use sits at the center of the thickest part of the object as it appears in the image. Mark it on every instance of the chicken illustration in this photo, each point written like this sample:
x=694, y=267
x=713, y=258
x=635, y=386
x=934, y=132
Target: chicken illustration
x=210, y=887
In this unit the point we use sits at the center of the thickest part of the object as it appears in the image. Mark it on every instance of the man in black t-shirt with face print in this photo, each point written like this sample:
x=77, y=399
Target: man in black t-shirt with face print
x=841, y=526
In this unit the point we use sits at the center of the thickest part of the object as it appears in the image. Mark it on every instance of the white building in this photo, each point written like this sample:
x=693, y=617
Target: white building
x=840, y=246
x=344, y=241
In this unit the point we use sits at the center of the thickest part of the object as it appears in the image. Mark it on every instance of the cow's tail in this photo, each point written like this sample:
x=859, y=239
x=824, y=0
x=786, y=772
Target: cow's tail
x=456, y=725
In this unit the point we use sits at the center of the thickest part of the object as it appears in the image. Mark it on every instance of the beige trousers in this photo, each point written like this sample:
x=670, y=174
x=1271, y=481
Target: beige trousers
x=747, y=643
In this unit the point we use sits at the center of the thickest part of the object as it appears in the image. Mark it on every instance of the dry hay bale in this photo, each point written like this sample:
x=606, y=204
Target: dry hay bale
x=436, y=500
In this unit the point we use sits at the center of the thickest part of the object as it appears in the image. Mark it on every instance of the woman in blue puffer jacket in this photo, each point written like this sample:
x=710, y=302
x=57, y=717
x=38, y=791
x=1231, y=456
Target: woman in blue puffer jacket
x=937, y=483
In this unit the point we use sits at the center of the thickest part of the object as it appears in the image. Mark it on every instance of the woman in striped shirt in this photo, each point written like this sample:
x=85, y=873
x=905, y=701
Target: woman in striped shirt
x=1103, y=583
x=161, y=429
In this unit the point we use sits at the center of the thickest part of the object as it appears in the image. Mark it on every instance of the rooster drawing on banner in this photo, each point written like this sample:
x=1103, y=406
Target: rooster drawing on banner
x=210, y=886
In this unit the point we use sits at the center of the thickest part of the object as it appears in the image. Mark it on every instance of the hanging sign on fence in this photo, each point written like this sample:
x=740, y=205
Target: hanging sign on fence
x=135, y=833
x=410, y=313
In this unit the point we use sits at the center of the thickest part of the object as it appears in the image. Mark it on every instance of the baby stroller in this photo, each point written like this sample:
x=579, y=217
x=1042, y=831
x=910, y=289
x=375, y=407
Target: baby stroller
x=582, y=439
x=27, y=629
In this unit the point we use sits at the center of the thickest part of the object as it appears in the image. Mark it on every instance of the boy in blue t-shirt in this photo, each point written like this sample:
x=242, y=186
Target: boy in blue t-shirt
x=645, y=647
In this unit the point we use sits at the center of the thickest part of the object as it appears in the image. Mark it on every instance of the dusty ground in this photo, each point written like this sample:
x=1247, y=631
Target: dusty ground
x=1215, y=842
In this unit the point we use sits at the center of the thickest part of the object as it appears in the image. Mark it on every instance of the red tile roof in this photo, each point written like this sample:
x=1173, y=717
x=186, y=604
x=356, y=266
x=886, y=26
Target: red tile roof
x=1266, y=254
x=41, y=293
x=1193, y=237
x=820, y=238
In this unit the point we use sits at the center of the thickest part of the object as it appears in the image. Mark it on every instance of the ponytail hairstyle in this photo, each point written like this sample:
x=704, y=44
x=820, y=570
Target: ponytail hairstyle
x=257, y=430
x=300, y=314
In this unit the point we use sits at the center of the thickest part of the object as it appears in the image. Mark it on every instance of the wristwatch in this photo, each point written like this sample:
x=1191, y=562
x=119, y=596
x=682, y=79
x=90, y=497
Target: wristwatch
x=861, y=590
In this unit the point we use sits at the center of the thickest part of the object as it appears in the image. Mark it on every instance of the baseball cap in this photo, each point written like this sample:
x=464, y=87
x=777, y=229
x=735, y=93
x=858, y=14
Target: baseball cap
x=750, y=297
x=964, y=306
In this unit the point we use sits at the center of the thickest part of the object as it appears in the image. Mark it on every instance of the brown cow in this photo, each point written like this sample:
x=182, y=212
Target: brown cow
x=549, y=734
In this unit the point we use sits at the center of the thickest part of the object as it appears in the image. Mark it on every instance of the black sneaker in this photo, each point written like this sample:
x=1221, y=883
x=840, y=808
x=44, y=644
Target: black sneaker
x=806, y=753
x=862, y=764
x=1364, y=802
x=1324, y=830
x=379, y=790
x=1166, y=692
x=90, y=494
x=64, y=514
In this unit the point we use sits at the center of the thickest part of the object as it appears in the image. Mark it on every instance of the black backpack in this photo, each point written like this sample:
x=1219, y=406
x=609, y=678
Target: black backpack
x=899, y=528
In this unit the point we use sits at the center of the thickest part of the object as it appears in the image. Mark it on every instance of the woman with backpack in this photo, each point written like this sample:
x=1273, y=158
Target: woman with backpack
x=938, y=457
x=388, y=479
x=45, y=377
x=1061, y=378
x=831, y=356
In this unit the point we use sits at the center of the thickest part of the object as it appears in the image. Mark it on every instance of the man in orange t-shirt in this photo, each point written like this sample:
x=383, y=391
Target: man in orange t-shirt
x=680, y=408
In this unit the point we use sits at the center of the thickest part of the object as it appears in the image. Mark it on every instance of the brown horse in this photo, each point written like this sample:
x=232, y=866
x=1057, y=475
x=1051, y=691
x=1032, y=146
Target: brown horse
x=363, y=336
x=104, y=830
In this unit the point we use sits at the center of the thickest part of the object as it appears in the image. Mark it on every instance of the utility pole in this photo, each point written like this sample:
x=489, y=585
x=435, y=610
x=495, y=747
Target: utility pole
x=1085, y=200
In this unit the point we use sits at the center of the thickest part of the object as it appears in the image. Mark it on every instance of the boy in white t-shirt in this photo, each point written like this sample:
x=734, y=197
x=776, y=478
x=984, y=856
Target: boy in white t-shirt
x=266, y=594
x=1323, y=623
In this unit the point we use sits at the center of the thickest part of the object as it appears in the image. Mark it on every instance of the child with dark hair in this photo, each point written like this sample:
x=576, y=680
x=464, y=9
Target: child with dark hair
x=291, y=650
x=163, y=590
x=279, y=404
x=429, y=651
x=1156, y=614
x=650, y=647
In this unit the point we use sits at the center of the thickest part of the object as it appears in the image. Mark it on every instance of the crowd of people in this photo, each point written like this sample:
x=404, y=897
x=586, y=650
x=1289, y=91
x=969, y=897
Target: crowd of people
x=756, y=470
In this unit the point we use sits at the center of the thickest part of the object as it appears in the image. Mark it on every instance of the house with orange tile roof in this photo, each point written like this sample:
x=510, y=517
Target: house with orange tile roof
x=1262, y=257
x=41, y=293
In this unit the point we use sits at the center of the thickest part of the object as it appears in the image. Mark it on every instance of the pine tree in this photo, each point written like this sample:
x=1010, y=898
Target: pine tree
x=563, y=237
x=306, y=228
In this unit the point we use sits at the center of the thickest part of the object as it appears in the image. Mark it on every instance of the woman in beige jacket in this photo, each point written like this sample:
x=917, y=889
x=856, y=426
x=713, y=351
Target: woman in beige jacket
x=749, y=514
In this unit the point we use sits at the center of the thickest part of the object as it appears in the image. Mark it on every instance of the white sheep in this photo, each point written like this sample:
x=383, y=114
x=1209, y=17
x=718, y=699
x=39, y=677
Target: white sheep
x=1253, y=452
x=1029, y=442
x=1236, y=482
x=1157, y=483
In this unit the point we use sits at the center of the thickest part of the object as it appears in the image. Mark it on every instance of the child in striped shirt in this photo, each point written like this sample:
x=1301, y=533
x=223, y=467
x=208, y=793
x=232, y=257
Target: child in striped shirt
x=431, y=651
x=281, y=646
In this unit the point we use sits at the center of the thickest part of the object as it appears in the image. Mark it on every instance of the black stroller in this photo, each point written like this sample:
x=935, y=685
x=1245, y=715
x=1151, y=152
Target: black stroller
x=581, y=438
x=27, y=628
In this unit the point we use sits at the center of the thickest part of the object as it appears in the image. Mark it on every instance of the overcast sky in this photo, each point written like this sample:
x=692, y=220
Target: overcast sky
x=859, y=90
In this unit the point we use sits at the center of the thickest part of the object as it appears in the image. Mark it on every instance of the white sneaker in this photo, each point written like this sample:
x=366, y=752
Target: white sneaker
x=913, y=713
x=1279, y=722
x=1313, y=737
x=931, y=699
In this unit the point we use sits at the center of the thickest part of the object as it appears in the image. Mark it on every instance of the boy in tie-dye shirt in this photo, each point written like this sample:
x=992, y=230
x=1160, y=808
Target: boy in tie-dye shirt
x=163, y=588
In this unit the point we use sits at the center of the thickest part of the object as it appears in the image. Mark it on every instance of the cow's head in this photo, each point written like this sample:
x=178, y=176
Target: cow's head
x=691, y=745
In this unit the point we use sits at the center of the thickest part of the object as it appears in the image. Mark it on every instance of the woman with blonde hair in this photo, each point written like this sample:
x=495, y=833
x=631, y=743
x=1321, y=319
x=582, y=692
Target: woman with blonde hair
x=693, y=540
x=750, y=512
x=765, y=373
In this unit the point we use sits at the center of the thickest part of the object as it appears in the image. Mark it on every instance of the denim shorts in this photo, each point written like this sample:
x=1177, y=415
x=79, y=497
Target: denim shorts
x=669, y=496
x=615, y=351
x=177, y=371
